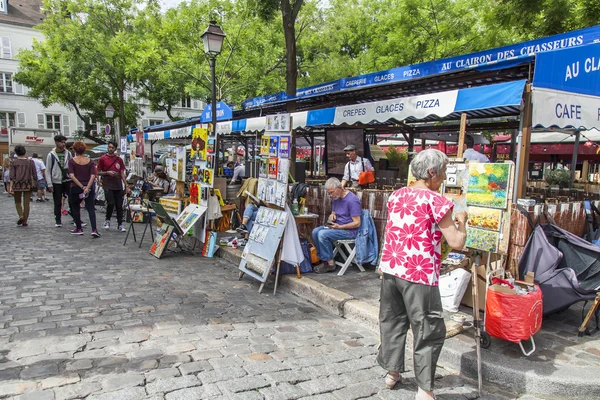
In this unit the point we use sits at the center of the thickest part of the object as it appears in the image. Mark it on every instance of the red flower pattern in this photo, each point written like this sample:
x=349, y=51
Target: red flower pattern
x=418, y=268
x=412, y=249
x=405, y=205
x=392, y=253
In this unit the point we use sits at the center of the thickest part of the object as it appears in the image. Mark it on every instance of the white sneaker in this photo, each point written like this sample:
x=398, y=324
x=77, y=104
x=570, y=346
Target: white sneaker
x=106, y=224
x=121, y=228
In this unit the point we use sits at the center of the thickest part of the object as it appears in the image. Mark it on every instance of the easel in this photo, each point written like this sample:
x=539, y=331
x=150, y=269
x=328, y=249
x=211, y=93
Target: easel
x=143, y=208
x=261, y=252
x=594, y=310
x=165, y=218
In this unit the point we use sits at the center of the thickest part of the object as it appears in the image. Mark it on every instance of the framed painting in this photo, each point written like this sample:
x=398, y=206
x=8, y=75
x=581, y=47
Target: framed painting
x=485, y=218
x=481, y=239
x=489, y=185
x=161, y=241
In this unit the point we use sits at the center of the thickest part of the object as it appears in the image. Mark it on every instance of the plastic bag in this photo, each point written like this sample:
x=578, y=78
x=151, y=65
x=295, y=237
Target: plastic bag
x=513, y=317
x=453, y=287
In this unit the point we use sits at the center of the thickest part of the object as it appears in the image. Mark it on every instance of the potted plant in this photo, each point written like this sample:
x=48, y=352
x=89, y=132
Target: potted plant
x=557, y=177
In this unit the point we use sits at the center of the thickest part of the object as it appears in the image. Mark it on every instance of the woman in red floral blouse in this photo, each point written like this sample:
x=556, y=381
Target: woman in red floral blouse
x=418, y=217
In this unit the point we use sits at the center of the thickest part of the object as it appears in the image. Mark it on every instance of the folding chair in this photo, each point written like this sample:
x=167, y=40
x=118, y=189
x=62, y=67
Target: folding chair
x=347, y=250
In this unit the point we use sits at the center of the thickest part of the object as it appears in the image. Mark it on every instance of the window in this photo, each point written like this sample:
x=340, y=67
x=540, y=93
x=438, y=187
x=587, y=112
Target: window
x=186, y=102
x=6, y=49
x=155, y=122
x=6, y=84
x=53, y=121
x=7, y=120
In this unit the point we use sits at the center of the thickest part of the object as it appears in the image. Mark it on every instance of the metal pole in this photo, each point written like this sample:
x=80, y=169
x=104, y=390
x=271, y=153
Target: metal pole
x=574, y=161
x=214, y=109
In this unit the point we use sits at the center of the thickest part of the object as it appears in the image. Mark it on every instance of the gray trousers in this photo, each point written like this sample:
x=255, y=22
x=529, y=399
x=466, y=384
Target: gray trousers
x=405, y=304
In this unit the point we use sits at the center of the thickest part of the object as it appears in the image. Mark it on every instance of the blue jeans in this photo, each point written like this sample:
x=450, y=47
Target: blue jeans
x=250, y=212
x=324, y=238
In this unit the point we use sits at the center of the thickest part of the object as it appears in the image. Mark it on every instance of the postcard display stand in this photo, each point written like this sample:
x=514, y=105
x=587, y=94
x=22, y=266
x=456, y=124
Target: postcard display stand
x=203, y=161
x=264, y=241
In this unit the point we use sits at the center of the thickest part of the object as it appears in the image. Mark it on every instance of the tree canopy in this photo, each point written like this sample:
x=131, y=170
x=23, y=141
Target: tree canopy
x=96, y=52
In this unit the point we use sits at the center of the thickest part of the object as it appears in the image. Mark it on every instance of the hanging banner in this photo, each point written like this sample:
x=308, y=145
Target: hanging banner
x=139, y=144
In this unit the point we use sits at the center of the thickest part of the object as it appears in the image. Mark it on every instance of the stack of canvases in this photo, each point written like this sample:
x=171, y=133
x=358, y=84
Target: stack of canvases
x=487, y=197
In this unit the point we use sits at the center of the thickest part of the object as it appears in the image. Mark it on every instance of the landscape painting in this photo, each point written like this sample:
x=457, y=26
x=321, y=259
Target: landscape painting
x=485, y=218
x=481, y=239
x=488, y=185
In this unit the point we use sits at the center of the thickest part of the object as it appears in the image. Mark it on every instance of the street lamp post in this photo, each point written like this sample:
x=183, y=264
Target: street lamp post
x=213, y=41
x=110, y=113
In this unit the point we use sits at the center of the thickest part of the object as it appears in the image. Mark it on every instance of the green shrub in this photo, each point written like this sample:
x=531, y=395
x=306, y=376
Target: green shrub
x=557, y=177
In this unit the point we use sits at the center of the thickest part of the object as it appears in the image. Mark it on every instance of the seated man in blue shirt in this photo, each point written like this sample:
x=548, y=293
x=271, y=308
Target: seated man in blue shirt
x=342, y=224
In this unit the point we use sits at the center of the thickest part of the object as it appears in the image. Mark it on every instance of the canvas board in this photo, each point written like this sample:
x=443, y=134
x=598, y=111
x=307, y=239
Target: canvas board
x=489, y=184
x=190, y=216
x=263, y=241
x=161, y=241
x=485, y=218
x=481, y=239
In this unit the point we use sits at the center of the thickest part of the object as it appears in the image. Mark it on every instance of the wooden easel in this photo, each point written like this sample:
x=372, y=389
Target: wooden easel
x=593, y=310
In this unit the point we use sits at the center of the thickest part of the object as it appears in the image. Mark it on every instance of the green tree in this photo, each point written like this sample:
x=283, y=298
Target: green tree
x=85, y=61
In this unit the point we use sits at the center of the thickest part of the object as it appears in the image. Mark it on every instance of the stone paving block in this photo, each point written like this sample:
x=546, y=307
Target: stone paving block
x=180, y=348
x=205, y=354
x=236, y=350
x=291, y=376
x=233, y=361
x=283, y=391
x=121, y=381
x=37, y=395
x=208, y=377
x=12, y=388
x=194, y=367
x=321, y=385
x=142, y=365
x=171, y=384
x=356, y=391
x=79, y=365
x=162, y=374
x=173, y=360
x=263, y=367
x=243, y=384
x=39, y=371
x=57, y=381
x=110, y=361
x=134, y=393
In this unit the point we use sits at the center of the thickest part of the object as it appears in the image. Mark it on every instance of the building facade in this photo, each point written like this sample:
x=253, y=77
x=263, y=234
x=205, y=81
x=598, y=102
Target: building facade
x=18, y=19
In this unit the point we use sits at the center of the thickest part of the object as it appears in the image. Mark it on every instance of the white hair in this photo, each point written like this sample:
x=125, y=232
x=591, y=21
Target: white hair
x=332, y=183
x=426, y=160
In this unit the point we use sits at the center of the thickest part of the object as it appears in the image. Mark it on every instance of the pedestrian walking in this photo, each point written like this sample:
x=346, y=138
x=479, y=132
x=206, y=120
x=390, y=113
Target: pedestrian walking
x=23, y=180
x=57, y=176
x=40, y=168
x=418, y=217
x=6, y=175
x=112, y=170
x=82, y=171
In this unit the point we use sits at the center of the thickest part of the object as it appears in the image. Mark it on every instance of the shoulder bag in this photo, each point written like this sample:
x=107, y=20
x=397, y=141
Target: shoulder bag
x=365, y=177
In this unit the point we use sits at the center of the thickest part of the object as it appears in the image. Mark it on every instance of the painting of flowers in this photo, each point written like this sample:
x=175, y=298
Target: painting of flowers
x=488, y=185
x=485, y=218
x=481, y=239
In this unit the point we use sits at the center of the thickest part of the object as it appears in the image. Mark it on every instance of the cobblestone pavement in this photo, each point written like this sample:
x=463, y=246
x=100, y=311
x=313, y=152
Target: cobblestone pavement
x=90, y=318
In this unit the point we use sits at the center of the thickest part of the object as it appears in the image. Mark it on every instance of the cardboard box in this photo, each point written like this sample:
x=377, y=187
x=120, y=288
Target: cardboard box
x=507, y=289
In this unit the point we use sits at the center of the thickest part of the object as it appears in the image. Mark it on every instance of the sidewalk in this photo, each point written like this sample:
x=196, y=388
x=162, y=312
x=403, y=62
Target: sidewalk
x=563, y=365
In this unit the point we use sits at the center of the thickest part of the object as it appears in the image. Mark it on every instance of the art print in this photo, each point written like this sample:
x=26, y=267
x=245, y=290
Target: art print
x=210, y=159
x=210, y=148
x=161, y=240
x=485, y=218
x=481, y=239
x=264, y=145
x=283, y=170
x=263, y=168
x=199, y=139
x=246, y=251
x=253, y=232
x=261, y=189
x=273, y=164
x=280, y=193
x=284, y=147
x=190, y=216
x=274, y=146
x=488, y=185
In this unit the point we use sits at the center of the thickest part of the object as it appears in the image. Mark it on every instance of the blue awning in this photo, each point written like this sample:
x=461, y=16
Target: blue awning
x=499, y=99
x=566, y=88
